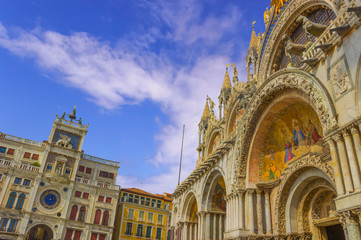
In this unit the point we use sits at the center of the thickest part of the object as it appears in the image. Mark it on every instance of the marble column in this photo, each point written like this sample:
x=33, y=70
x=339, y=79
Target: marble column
x=221, y=226
x=357, y=142
x=195, y=237
x=236, y=217
x=232, y=212
x=349, y=220
x=191, y=226
x=353, y=161
x=228, y=210
x=259, y=212
x=241, y=210
x=214, y=226
x=268, y=212
x=344, y=163
x=251, y=212
x=185, y=231
x=340, y=188
x=208, y=226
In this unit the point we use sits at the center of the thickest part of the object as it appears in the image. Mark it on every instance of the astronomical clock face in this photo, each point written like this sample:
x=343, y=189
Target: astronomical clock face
x=50, y=199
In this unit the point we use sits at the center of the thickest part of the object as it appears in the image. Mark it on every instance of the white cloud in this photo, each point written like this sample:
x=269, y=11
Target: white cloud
x=130, y=73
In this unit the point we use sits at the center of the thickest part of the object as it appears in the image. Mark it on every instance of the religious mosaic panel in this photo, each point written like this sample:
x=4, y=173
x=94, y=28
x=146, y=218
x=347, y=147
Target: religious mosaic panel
x=66, y=139
x=216, y=142
x=218, y=202
x=295, y=132
x=236, y=120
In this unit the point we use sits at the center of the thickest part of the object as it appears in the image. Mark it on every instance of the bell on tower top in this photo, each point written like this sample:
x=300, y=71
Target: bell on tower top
x=72, y=115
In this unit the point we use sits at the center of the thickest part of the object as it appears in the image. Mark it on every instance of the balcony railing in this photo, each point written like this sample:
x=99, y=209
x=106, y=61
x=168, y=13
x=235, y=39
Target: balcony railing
x=100, y=160
x=22, y=140
x=96, y=183
x=145, y=203
x=22, y=166
x=71, y=123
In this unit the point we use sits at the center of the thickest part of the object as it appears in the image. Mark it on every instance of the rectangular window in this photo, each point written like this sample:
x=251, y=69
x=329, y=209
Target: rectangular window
x=12, y=226
x=27, y=155
x=159, y=202
x=77, y=235
x=1, y=176
x=147, y=202
x=136, y=199
x=69, y=234
x=101, y=236
x=2, y=149
x=141, y=216
x=35, y=157
x=153, y=203
x=86, y=195
x=142, y=200
x=77, y=194
x=11, y=151
x=128, y=229
x=94, y=236
x=67, y=170
x=159, y=233
x=149, y=232
x=108, y=200
x=131, y=214
x=81, y=168
x=131, y=197
x=17, y=180
x=150, y=217
x=140, y=230
x=3, y=223
x=26, y=182
x=160, y=219
x=101, y=199
x=88, y=170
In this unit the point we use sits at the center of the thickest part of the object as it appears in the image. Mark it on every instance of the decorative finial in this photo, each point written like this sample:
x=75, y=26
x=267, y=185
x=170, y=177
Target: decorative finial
x=253, y=24
x=227, y=66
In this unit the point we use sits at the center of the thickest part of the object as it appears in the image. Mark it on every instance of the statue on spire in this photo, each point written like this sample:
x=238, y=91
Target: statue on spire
x=211, y=104
x=235, y=73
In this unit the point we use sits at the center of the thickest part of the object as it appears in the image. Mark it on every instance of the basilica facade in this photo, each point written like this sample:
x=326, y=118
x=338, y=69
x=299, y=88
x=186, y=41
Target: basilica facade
x=53, y=190
x=281, y=156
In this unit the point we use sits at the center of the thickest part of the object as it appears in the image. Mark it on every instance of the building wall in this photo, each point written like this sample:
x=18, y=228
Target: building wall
x=54, y=169
x=129, y=213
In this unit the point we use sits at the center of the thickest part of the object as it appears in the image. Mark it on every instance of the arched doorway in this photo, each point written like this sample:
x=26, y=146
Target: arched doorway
x=40, y=232
x=190, y=228
x=214, y=203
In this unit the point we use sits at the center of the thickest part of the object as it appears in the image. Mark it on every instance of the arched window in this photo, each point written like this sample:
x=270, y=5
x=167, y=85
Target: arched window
x=11, y=200
x=105, y=218
x=74, y=211
x=98, y=214
x=20, y=203
x=82, y=214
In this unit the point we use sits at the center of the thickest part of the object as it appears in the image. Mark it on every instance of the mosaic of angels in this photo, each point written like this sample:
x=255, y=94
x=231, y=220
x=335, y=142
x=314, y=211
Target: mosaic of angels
x=295, y=132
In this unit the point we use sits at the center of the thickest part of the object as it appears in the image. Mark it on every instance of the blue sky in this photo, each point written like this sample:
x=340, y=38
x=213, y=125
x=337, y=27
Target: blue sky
x=137, y=70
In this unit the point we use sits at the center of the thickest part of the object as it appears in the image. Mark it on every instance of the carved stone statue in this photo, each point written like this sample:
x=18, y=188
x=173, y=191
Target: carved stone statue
x=64, y=141
x=311, y=28
x=211, y=104
x=246, y=94
x=235, y=73
x=63, y=116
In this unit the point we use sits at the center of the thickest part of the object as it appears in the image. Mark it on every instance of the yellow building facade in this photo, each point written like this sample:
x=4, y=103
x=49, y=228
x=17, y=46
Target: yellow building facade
x=142, y=215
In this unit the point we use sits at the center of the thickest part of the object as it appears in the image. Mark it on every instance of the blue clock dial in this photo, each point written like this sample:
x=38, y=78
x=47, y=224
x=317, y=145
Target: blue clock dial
x=50, y=199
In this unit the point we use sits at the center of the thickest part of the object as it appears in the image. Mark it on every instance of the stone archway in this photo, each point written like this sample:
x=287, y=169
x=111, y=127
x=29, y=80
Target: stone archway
x=291, y=85
x=190, y=227
x=214, y=206
x=40, y=232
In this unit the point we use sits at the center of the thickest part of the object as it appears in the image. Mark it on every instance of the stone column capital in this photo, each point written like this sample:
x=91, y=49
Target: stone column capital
x=337, y=137
x=354, y=130
x=348, y=217
x=345, y=133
